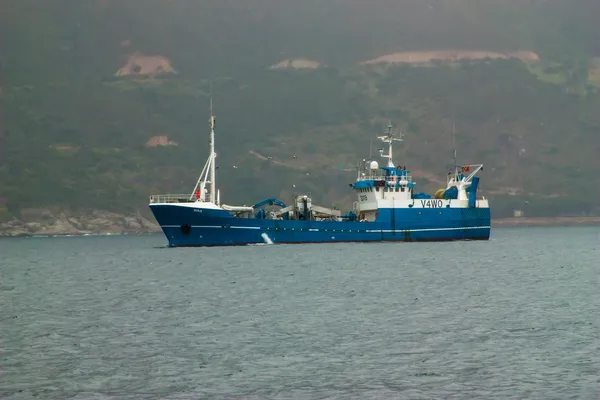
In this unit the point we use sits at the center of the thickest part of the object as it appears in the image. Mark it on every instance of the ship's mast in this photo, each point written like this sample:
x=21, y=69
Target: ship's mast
x=212, y=156
x=389, y=138
x=206, y=188
x=455, y=166
x=454, y=143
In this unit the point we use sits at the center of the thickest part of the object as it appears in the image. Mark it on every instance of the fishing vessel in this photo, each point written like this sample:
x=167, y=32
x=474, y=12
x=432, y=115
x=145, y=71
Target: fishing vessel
x=387, y=208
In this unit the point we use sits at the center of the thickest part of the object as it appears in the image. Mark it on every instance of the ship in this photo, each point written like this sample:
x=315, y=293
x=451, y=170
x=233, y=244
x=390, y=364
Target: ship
x=387, y=209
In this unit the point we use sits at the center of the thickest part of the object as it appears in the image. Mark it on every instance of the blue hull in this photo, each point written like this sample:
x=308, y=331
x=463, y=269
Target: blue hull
x=186, y=226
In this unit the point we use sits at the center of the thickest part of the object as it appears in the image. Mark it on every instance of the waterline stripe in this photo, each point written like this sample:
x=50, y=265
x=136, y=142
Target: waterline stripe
x=460, y=228
x=213, y=226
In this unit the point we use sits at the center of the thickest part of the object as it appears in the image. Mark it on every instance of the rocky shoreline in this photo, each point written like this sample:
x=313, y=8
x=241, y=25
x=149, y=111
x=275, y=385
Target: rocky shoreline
x=42, y=222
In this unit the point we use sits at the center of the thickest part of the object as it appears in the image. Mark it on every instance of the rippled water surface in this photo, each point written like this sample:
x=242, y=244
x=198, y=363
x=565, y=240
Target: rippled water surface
x=125, y=317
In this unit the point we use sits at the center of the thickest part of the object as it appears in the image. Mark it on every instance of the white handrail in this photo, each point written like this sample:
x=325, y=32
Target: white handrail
x=171, y=198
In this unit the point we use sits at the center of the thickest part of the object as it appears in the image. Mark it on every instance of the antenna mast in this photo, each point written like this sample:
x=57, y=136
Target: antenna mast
x=454, y=176
x=206, y=184
x=454, y=142
x=212, y=156
x=389, y=138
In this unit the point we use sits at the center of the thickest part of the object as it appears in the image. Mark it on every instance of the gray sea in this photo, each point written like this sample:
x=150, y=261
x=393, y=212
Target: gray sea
x=122, y=317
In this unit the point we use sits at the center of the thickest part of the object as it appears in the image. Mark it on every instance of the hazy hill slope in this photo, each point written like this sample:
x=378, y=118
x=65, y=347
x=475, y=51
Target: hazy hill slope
x=75, y=133
x=229, y=37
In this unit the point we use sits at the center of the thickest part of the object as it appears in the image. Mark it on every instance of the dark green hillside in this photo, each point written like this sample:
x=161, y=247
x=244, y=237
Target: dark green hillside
x=75, y=132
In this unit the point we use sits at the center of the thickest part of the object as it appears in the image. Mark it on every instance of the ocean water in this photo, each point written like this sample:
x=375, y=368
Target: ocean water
x=124, y=317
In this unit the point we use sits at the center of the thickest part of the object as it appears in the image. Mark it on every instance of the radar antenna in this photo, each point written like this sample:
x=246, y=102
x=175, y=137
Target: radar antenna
x=389, y=138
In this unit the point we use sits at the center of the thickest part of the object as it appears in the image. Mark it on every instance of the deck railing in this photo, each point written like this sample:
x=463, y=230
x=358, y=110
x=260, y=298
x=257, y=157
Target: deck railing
x=172, y=198
x=407, y=178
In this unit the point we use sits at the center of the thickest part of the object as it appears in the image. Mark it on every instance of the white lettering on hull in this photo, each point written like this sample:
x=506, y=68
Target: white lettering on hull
x=432, y=203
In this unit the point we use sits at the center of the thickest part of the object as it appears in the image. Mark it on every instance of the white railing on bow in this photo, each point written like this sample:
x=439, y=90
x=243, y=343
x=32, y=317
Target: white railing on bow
x=172, y=198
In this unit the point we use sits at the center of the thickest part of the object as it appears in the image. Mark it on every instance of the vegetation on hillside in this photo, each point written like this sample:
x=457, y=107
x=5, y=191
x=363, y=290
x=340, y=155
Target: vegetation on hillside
x=75, y=133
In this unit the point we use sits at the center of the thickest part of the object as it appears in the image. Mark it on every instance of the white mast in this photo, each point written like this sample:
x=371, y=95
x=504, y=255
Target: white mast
x=212, y=156
x=207, y=176
x=389, y=138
